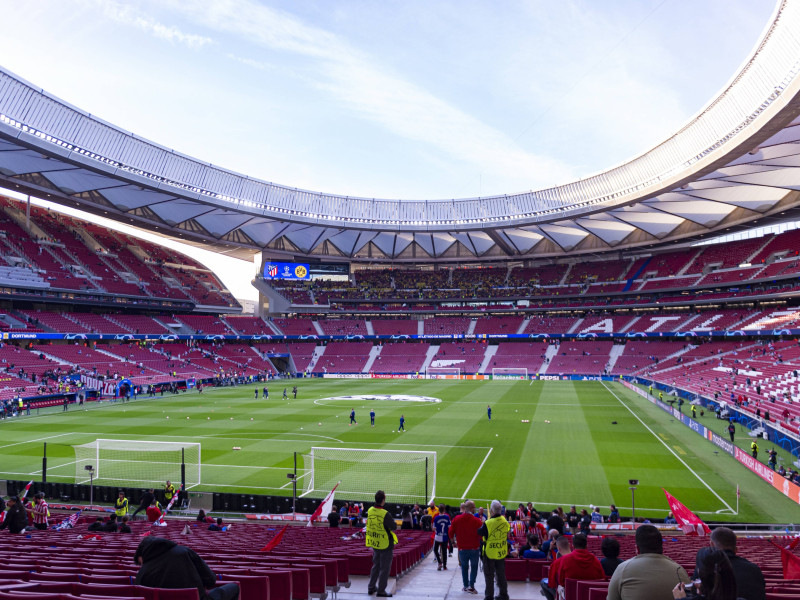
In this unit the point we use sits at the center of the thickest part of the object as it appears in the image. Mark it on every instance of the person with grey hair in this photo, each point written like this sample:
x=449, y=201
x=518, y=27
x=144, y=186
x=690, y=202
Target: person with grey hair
x=495, y=549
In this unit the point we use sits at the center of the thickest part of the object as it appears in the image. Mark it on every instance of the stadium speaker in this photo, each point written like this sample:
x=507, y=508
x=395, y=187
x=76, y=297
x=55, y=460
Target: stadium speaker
x=216, y=504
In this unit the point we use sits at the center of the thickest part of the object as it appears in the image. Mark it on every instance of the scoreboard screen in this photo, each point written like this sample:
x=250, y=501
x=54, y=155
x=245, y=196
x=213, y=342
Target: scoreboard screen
x=290, y=271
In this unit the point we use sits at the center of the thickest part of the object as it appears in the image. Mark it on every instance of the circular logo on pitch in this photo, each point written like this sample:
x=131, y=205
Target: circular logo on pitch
x=300, y=271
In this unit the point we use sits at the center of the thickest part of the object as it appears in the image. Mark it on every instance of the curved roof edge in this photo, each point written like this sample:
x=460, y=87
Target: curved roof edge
x=753, y=96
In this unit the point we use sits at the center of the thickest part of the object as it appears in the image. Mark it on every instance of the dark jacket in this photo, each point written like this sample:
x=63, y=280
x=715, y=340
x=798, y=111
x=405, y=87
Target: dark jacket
x=124, y=528
x=750, y=583
x=168, y=565
x=95, y=526
x=555, y=522
x=610, y=565
x=147, y=500
x=16, y=519
x=389, y=524
x=333, y=519
x=110, y=526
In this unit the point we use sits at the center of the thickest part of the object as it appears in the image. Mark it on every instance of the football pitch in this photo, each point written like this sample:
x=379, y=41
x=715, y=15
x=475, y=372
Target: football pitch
x=583, y=442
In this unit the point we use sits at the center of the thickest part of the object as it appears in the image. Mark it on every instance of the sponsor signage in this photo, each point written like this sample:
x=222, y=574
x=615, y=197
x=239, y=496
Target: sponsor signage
x=287, y=271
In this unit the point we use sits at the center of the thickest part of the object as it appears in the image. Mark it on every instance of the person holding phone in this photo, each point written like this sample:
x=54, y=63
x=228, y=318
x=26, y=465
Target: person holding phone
x=715, y=578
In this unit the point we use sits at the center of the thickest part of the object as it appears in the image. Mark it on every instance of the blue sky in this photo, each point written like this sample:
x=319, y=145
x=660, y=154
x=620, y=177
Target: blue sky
x=396, y=100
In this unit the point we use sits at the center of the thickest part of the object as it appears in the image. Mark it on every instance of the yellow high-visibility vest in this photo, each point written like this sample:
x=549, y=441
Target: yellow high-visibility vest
x=377, y=536
x=496, y=547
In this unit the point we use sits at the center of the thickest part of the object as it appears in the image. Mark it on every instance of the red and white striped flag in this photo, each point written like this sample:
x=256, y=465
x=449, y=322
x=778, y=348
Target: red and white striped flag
x=160, y=521
x=324, y=508
x=25, y=492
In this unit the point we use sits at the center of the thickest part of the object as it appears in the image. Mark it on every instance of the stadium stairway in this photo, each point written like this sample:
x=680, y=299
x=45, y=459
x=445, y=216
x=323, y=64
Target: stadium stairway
x=428, y=357
x=318, y=352
x=487, y=358
x=373, y=354
x=522, y=326
x=370, y=330
x=318, y=328
x=576, y=325
x=552, y=350
x=421, y=328
x=616, y=352
x=471, y=328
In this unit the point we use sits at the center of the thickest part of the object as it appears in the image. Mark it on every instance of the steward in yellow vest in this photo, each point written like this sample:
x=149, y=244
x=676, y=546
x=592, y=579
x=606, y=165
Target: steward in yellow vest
x=495, y=549
x=381, y=538
x=169, y=491
x=754, y=448
x=121, y=505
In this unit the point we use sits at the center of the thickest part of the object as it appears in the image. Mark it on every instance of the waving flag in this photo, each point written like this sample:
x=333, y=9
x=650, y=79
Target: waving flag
x=160, y=521
x=688, y=521
x=790, y=562
x=274, y=541
x=324, y=508
x=25, y=491
x=67, y=523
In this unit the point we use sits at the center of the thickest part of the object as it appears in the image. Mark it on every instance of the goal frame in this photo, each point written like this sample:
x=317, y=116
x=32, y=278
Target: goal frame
x=80, y=473
x=456, y=375
x=522, y=375
x=430, y=471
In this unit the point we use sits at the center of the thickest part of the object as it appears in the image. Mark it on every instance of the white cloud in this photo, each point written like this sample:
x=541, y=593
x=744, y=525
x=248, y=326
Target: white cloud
x=126, y=14
x=372, y=91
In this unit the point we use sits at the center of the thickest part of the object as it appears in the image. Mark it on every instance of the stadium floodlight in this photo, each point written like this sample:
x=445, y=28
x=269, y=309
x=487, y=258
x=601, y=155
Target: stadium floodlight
x=116, y=462
x=405, y=476
x=509, y=373
x=443, y=373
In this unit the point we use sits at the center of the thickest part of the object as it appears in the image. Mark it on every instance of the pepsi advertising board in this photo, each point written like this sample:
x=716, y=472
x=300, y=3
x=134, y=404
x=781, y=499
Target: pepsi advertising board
x=290, y=271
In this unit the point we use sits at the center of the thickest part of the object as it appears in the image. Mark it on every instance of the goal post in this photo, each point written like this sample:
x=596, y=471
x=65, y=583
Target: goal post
x=443, y=373
x=509, y=373
x=138, y=462
x=405, y=476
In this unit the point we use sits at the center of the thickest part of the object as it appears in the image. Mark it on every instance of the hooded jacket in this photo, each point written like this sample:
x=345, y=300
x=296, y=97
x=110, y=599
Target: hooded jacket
x=16, y=518
x=165, y=564
x=580, y=564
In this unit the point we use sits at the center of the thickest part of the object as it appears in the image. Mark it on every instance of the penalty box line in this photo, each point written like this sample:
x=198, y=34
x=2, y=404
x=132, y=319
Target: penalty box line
x=700, y=479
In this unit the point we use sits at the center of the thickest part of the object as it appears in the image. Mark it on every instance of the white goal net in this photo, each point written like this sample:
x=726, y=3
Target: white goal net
x=404, y=475
x=509, y=373
x=443, y=373
x=140, y=462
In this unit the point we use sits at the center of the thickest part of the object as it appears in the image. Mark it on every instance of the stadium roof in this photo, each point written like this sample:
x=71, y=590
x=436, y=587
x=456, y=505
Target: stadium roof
x=736, y=163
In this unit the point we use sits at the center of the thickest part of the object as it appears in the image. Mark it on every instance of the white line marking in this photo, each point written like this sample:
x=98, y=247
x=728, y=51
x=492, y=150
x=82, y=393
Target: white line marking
x=37, y=440
x=668, y=448
x=464, y=496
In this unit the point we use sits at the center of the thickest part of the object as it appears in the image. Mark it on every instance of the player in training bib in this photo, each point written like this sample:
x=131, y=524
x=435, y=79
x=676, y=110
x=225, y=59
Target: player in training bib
x=372, y=416
x=402, y=423
x=353, y=416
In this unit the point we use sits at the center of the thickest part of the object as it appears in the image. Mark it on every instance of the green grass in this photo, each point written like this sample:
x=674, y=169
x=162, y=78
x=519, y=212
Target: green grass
x=581, y=457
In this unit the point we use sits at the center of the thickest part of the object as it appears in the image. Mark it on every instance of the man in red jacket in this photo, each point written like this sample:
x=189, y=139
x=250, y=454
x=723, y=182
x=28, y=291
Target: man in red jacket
x=580, y=563
x=464, y=530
